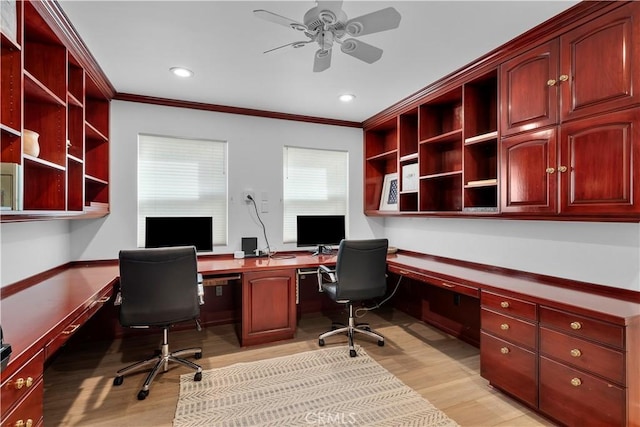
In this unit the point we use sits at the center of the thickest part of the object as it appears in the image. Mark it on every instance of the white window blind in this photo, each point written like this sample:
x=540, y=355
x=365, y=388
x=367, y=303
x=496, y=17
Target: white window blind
x=182, y=177
x=315, y=183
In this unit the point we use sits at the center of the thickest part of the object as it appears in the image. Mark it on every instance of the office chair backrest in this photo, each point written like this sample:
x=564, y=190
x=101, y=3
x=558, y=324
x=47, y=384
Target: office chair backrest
x=361, y=269
x=158, y=286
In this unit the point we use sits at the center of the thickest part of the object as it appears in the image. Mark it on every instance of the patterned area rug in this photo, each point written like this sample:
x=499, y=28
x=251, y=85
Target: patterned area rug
x=321, y=387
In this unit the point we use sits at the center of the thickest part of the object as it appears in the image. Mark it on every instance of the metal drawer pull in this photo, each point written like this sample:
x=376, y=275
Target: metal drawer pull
x=576, y=325
x=504, y=327
x=504, y=304
x=21, y=382
x=103, y=300
x=448, y=285
x=576, y=353
x=71, y=330
x=563, y=78
x=504, y=350
x=576, y=382
x=551, y=82
x=550, y=170
x=562, y=168
x=21, y=423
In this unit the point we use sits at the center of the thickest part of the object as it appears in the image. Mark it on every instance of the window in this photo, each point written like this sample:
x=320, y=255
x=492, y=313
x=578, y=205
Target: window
x=182, y=177
x=316, y=182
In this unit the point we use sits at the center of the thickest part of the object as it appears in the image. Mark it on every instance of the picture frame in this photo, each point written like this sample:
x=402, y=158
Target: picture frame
x=390, y=193
x=410, y=177
x=10, y=187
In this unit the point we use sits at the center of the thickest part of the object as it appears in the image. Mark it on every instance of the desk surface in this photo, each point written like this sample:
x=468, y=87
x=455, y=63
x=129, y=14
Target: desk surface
x=32, y=316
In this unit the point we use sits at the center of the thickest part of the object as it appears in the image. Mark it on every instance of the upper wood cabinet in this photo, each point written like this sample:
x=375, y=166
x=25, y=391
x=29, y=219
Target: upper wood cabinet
x=49, y=87
x=543, y=126
x=589, y=70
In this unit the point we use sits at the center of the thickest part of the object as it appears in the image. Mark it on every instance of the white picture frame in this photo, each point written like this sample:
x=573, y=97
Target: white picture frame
x=410, y=177
x=10, y=187
x=390, y=193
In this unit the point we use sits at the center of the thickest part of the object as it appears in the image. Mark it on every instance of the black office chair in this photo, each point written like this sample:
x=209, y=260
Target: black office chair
x=158, y=288
x=359, y=275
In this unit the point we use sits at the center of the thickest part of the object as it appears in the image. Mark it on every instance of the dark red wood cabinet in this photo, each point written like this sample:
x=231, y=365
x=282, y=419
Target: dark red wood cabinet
x=268, y=306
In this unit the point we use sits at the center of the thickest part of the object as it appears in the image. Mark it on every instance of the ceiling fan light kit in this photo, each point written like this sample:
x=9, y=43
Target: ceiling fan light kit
x=327, y=24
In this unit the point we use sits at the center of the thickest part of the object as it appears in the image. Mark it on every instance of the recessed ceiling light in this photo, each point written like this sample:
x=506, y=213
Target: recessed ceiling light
x=181, y=72
x=347, y=97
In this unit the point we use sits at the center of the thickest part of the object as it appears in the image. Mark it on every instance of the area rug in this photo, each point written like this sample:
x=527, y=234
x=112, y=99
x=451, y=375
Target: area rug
x=321, y=387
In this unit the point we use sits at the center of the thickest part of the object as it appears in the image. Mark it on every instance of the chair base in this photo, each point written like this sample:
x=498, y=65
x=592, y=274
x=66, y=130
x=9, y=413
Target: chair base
x=350, y=329
x=161, y=361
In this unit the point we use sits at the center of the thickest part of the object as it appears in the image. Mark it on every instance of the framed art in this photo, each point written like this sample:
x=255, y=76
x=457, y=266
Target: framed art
x=10, y=180
x=389, y=197
x=410, y=177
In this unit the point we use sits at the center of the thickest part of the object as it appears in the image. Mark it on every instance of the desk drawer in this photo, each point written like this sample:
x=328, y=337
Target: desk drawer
x=583, y=327
x=509, y=367
x=460, y=288
x=509, y=328
x=509, y=305
x=62, y=334
x=578, y=399
x=21, y=382
x=30, y=410
x=583, y=354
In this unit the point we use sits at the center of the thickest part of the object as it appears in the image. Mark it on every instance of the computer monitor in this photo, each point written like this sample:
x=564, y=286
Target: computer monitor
x=321, y=231
x=179, y=231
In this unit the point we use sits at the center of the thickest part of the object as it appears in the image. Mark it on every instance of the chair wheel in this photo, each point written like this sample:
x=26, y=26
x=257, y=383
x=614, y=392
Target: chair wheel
x=198, y=355
x=380, y=343
x=197, y=376
x=321, y=342
x=118, y=380
x=352, y=353
x=142, y=394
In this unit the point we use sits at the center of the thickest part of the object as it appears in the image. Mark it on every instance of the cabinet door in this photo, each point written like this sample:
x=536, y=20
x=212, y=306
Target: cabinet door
x=598, y=154
x=529, y=91
x=528, y=175
x=268, y=306
x=601, y=60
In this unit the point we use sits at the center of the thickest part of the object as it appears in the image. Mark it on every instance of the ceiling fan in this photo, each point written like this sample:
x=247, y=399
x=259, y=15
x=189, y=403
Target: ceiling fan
x=327, y=24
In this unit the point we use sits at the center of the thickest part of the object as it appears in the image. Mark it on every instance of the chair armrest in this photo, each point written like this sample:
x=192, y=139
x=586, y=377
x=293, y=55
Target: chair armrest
x=118, y=299
x=323, y=273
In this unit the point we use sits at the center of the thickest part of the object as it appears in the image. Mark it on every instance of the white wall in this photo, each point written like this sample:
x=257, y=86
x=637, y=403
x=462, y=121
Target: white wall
x=603, y=253
x=255, y=148
x=29, y=248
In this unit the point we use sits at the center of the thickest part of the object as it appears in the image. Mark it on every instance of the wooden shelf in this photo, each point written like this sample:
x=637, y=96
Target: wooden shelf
x=454, y=135
x=478, y=139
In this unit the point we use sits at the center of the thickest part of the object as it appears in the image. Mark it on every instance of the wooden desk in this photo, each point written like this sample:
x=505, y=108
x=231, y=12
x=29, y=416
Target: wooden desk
x=43, y=314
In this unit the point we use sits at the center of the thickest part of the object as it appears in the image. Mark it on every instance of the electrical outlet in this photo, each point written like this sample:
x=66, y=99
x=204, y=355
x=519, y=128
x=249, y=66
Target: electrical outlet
x=247, y=196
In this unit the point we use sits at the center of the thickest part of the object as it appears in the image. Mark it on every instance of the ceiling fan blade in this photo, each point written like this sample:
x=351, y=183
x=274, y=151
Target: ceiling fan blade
x=361, y=50
x=294, y=44
x=278, y=19
x=322, y=60
x=374, y=22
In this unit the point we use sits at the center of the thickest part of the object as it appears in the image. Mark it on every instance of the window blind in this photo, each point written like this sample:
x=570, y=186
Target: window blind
x=316, y=182
x=182, y=177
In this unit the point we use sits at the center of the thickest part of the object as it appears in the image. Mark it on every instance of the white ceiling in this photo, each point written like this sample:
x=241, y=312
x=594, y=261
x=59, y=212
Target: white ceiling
x=136, y=42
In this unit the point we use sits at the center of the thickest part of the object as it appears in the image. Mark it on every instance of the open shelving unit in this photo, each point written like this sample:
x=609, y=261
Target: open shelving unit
x=450, y=140
x=47, y=87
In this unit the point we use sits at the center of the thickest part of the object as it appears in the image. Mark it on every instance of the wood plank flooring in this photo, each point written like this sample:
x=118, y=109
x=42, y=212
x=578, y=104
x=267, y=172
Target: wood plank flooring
x=79, y=389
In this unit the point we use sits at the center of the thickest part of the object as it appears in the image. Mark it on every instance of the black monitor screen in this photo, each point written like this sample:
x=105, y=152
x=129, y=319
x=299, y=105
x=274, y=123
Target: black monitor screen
x=320, y=230
x=179, y=231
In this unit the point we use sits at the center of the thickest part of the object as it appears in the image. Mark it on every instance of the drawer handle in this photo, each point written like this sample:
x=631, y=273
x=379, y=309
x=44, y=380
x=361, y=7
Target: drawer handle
x=448, y=285
x=576, y=382
x=21, y=423
x=576, y=353
x=504, y=304
x=504, y=327
x=504, y=350
x=103, y=300
x=21, y=382
x=576, y=325
x=71, y=329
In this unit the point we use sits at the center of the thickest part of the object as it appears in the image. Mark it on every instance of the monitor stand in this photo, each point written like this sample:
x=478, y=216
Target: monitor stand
x=323, y=250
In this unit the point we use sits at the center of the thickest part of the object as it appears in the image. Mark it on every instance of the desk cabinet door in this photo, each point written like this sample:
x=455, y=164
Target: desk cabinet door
x=268, y=306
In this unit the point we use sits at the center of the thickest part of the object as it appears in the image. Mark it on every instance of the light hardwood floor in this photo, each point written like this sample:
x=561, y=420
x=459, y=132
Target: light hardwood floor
x=446, y=371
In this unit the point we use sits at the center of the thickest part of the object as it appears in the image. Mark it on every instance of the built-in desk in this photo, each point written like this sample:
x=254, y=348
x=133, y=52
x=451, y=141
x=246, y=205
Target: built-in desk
x=580, y=346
